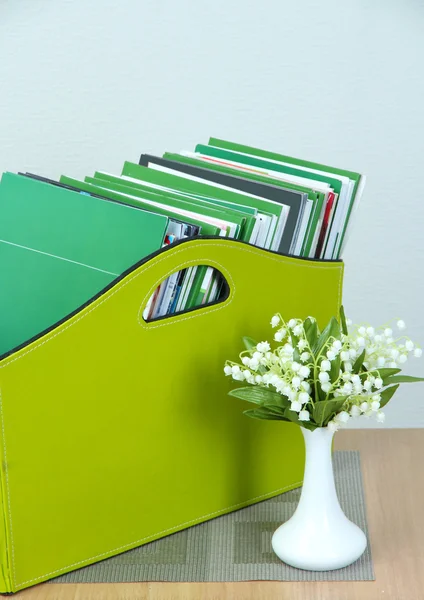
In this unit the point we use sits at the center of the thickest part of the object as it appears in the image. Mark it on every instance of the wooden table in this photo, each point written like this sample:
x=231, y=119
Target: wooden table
x=393, y=471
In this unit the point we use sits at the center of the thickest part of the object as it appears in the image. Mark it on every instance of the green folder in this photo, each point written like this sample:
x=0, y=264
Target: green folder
x=59, y=248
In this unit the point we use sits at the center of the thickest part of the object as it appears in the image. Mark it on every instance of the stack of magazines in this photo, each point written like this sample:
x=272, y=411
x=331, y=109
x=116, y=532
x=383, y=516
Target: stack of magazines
x=62, y=242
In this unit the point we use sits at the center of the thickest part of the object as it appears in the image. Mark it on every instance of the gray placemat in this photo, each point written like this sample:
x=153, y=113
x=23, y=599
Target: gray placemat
x=236, y=547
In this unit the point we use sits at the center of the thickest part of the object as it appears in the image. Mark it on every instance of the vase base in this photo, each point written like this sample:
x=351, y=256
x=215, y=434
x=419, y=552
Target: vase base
x=319, y=551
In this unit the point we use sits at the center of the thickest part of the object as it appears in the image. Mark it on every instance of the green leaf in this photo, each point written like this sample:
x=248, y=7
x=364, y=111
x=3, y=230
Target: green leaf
x=249, y=343
x=387, y=394
x=277, y=400
x=257, y=395
x=335, y=369
x=325, y=409
x=402, y=379
x=294, y=341
x=331, y=331
x=274, y=409
x=343, y=320
x=358, y=362
x=311, y=331
x=263, y=414
x=384, y=373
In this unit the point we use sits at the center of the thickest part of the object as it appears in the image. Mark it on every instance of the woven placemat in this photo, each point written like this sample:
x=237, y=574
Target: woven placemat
x=236, y=547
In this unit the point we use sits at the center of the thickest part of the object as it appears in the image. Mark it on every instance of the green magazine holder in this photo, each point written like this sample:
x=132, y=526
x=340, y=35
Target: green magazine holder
x=116, y=432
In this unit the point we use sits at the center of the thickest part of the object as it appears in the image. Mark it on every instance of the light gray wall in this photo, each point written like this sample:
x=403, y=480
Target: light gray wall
x=86, y=84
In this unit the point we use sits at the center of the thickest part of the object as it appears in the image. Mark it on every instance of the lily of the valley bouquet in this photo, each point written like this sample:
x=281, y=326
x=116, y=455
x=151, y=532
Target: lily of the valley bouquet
x=320, y=379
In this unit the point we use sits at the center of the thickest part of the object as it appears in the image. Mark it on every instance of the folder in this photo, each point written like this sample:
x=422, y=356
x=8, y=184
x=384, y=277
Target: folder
x=116, y=432
x=59, y=248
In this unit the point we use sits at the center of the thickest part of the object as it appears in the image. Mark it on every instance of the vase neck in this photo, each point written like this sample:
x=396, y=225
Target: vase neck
x=319, y=478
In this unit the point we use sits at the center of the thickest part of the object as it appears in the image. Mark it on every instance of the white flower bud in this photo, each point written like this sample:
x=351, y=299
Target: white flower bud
x=381, y=417
x=367, y=385
x=388, y=332
x=370, y=331
x=401, y=324
x=292, y=323
x=418, y=352
x=304, y=356
x=356, y=379
x=326, y=387
x=257, y=356
x=378, y=383
x=344, y=355
x=347, y=388
x=263, y=347
x=295, y=382
x=275, y=321
x=343, y=417
x=325, y=365
x=355, y=411
x=247, y=373
x=228, y=370
x=348, y=366
x=238, y=376
x=295, y=366
x=402, y=358
x=245, y=360
x=278, y=337
x=304, y=397
x=298, y=330
x=337, y=345
x=333, y=426
x=409, y=345
x=296, y=406
x=361, y=331
x=305, y=385
x=235, y=369
x=375, y=405
x=304, y=415
x=304, y=371
x=254, y=365
x=364, y=407
x=301, y=344
x=324, y=377
x=353, y=353
x=258, y=379
x=331, y=355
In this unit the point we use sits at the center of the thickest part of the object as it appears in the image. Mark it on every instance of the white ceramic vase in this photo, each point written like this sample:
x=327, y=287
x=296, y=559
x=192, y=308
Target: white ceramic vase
x=319, y=536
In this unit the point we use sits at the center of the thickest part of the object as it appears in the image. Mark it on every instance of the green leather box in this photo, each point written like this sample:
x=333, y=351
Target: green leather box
x=116, y=432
